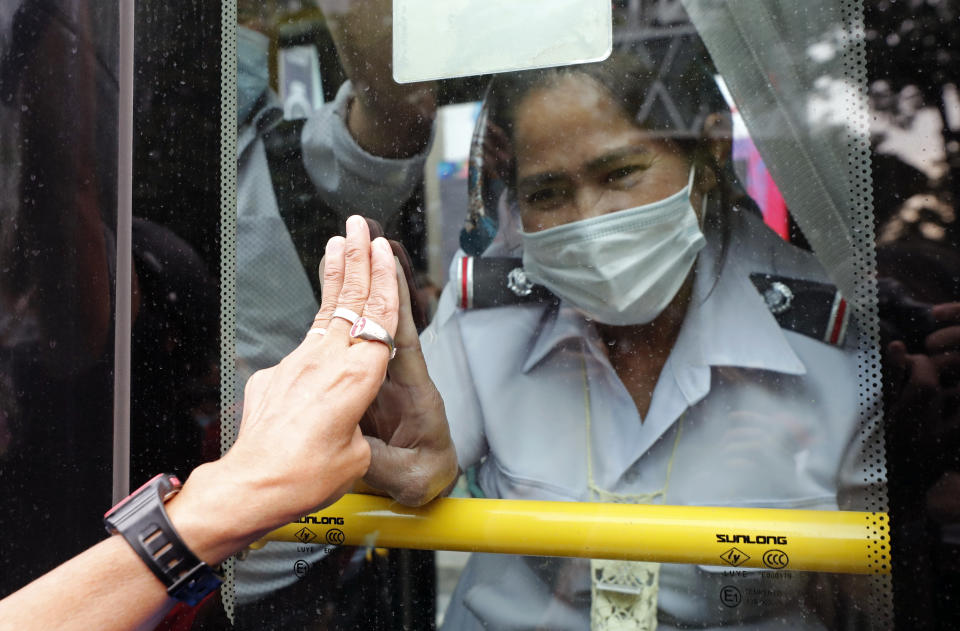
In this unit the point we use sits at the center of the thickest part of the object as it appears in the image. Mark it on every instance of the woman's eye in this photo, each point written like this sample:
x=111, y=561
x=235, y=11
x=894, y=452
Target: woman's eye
x=622, y=172
x=543, y=197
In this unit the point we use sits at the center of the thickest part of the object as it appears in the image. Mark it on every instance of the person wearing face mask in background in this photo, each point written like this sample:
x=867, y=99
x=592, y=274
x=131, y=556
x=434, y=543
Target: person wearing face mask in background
x=688, y=355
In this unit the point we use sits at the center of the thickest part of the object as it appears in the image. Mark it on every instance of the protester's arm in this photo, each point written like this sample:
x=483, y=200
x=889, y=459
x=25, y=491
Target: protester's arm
x=106, y=587
x=386, y=119
x=299, y=447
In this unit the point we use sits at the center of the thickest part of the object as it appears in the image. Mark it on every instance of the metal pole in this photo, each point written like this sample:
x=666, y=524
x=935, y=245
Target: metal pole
x=123, y=322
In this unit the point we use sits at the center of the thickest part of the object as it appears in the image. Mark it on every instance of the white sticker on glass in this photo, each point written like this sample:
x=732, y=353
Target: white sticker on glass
x=455, y=38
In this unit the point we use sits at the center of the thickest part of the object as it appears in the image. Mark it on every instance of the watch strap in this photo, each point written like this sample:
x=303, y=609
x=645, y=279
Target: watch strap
x=142, y=520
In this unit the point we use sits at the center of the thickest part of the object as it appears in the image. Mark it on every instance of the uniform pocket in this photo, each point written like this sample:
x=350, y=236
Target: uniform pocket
x=497, y=481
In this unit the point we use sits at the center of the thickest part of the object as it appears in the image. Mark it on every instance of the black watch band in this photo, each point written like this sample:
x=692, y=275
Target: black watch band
x=143, y=522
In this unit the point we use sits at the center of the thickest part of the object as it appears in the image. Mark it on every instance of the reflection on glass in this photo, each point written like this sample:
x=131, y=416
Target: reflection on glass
x=671, y=348
x=58, y=113
x=912, y=61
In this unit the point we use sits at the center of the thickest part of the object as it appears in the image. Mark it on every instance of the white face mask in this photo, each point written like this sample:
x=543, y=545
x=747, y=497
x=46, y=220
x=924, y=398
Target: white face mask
x=620, y=268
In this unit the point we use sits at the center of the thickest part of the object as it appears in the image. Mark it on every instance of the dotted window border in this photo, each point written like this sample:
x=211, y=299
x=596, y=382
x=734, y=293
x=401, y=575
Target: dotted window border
x=865, y=306
x=228, y=256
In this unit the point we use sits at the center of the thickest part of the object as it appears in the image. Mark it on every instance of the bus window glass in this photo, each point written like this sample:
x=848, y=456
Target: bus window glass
x=678, y=346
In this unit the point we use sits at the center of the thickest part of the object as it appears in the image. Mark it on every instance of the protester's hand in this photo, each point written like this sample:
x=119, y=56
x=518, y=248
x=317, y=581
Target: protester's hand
x=299, y=445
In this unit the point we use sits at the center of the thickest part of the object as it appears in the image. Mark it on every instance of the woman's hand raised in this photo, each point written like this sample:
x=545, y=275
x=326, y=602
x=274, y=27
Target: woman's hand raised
x=414, y=459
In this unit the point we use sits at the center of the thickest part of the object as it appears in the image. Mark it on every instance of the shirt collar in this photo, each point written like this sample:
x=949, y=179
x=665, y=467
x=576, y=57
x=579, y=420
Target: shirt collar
x=559, y=325
x=727, y=323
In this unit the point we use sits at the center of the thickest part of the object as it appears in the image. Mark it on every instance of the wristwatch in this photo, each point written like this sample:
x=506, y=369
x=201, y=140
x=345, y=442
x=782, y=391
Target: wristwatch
x=143, y=522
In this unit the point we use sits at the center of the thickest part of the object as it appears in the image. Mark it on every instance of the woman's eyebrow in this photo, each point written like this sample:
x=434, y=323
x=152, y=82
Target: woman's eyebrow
x=541, y=179
x=594, y=164
x=629, y=151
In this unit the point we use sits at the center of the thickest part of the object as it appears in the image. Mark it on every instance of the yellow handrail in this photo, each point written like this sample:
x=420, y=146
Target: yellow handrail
x=819, y=541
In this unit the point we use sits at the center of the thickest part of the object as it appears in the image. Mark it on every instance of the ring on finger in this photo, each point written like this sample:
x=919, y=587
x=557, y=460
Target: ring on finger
x=367, y=329
x=319, y=330
x=346, y=314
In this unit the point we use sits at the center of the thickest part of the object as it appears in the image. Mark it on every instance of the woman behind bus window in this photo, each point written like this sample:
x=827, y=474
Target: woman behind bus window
x=691, y=355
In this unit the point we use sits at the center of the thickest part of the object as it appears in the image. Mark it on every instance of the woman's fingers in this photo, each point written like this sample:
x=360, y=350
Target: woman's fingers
x=406, y=267
x=389, y=468
x=413, y=477
x=408, y=367
x=407, y=336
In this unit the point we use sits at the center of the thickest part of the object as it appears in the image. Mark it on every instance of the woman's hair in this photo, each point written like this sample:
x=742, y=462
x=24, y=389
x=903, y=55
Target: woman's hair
x=628, y=80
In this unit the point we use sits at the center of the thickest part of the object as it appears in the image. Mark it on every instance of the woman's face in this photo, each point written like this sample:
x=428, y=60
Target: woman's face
x=580, y=156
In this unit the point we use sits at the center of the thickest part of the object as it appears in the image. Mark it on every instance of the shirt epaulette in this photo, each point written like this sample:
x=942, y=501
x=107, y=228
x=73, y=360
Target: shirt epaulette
x=481, y=282
x=807, y=307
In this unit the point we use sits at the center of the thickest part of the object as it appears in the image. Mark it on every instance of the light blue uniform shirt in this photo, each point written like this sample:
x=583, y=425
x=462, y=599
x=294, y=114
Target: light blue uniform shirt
x=770, y=418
